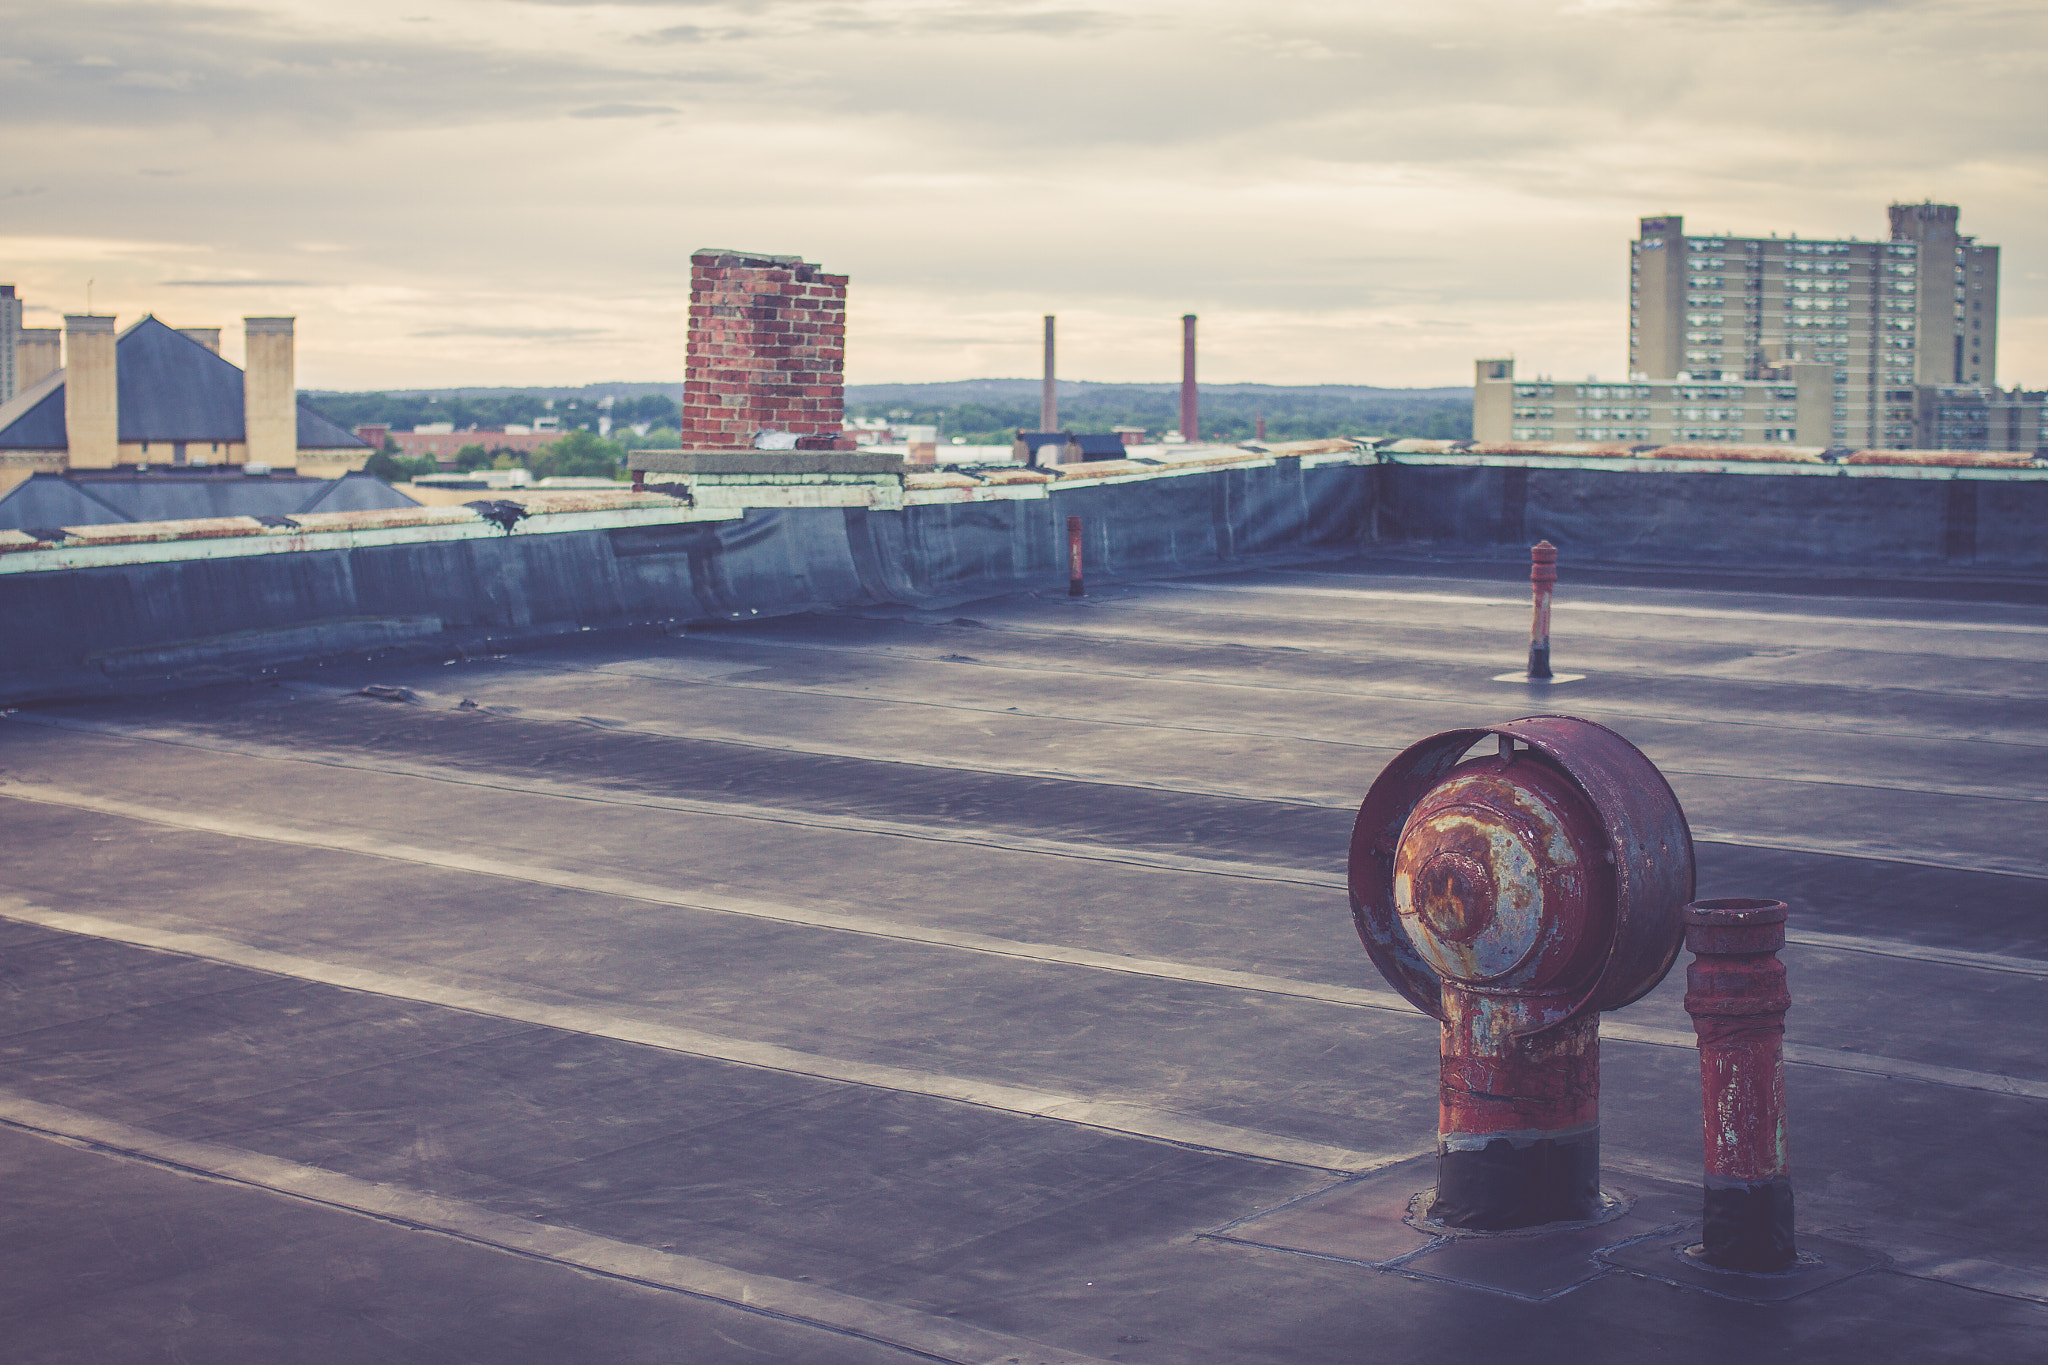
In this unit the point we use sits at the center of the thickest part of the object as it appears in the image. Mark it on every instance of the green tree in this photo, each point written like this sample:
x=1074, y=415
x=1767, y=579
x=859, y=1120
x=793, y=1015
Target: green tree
x=579, y=454
x=660, y=438
x=472, y=457
x=392, y=467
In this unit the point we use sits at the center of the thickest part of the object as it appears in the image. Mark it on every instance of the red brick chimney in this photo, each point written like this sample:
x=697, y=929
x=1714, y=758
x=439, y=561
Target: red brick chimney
x=767, y=352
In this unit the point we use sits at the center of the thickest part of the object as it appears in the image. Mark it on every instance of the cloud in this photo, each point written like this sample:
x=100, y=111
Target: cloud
x=1343, y=192
x=622, y=110
x=516, y=333
x=233, y=68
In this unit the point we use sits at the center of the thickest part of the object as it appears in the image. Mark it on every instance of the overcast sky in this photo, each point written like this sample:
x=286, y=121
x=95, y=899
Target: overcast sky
x=507, y=191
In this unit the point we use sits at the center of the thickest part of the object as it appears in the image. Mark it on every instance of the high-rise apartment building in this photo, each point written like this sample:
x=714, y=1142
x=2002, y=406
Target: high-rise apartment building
x=1919, y=308
x=10, y=332
x=27, y=354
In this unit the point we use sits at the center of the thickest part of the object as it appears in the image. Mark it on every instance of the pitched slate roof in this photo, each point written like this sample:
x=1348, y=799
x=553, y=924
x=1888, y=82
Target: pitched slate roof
x=100, y=500
x=171, y=389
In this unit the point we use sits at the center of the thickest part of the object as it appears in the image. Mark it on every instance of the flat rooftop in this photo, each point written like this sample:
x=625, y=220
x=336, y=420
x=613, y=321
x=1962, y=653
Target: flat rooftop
x=979, y=986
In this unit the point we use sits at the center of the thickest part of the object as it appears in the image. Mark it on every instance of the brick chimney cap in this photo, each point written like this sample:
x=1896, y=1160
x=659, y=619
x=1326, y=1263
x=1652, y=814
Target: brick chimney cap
x=730, y=256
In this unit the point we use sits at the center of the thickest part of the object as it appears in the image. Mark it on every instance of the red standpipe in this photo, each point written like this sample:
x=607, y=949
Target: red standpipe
x=1542, y=576
x=1518, y=1125
x=1736, y=994
x=1074, y=557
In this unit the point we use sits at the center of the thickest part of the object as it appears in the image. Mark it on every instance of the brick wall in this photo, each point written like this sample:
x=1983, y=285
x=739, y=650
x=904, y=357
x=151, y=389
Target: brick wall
x=767, y=350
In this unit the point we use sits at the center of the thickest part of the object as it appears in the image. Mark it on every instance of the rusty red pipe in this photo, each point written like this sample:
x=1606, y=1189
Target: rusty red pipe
x=1514, y=897
x=1501, y=869
x=1735, y=992
x=1542, y=576
x=1518, y=1126
x=1074, y=557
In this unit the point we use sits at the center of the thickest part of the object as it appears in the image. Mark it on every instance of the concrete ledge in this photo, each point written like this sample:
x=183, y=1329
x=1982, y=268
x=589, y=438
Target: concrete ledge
x=764, y=462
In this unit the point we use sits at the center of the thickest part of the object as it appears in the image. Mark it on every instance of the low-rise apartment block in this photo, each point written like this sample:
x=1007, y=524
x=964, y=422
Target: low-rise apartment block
x=1791, y=405
x=1982, y=417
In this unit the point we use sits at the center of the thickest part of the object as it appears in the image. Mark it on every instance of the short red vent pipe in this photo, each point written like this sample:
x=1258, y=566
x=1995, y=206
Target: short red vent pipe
x=1735, y=992
x=1542, y=579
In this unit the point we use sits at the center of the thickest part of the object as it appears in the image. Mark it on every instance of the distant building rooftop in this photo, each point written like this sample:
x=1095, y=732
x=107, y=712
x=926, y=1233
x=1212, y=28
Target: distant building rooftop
x=173, y=390
x=91, y=498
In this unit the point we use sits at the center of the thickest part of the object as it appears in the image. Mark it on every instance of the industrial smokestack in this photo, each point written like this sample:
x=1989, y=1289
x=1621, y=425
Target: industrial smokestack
x=1190, y=407
x=209, y=337
x=1048, y=393
x=270, y=398
x=92, y=396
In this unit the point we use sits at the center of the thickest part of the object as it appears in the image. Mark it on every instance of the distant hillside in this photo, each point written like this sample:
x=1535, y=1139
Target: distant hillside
x=990, y=409
x=982, y=390
x=980, y=410
x=591, y=392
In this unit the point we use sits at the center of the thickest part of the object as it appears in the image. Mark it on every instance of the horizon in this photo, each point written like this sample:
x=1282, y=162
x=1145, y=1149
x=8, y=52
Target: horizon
x=1164, y=384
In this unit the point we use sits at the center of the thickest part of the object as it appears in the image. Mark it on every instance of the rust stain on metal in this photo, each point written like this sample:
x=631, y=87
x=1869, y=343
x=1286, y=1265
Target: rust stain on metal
x=1645, y=847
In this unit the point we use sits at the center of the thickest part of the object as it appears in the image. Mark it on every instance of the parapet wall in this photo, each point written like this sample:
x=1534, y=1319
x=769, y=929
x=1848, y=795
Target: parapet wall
x=137, y=606
x=1871, y=512
x=174, y=603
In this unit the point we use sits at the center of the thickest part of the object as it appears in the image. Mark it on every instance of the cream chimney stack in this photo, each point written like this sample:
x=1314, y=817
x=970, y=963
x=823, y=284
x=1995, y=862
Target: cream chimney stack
x=270, y=396
x=209, y=337
x=92, y=397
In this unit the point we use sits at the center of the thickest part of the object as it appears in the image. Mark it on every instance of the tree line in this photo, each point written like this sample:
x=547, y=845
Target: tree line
x=404, y=411
x=1226, y=416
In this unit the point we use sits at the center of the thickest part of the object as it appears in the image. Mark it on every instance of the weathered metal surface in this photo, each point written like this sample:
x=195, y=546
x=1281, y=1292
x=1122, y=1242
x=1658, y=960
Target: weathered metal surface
x=1518, y=1127
x=1500, y=875
x=1647, y=855
x=1542, y=577
x=1514, y=896
x=1074, y=587
x=1737, y=996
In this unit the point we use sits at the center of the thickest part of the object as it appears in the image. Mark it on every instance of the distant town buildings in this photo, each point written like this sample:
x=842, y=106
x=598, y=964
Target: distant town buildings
x=10, y=329
x=27, y=354
x=1879, y=343
x=155, y=398
x=1980, y=417
x=442, y=441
